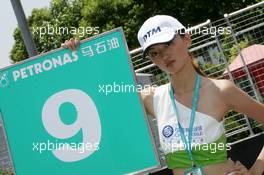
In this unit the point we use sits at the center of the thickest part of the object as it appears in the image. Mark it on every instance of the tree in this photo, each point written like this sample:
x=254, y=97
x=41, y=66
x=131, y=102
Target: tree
x=108, y=14
x=44, y=23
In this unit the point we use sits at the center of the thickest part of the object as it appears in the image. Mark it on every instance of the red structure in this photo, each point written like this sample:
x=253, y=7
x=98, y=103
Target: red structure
x=254, y=60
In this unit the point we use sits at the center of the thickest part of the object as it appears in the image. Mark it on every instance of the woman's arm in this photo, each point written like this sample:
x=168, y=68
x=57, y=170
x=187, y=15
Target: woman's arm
x=258, y=167
x=241, y=102
x=147, y=98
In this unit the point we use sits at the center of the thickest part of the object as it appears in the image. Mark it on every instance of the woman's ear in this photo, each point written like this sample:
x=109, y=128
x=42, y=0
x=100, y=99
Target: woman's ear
x=188, y=39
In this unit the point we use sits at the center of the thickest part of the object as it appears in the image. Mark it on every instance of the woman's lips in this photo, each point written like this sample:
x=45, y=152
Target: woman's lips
x=169, y=63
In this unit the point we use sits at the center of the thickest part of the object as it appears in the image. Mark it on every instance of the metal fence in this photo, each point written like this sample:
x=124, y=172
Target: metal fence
x=224, y=49
x=230, y=48
x=5, y=161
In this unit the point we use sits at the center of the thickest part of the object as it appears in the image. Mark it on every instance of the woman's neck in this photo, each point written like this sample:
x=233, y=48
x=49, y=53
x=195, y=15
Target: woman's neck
x=184, y=80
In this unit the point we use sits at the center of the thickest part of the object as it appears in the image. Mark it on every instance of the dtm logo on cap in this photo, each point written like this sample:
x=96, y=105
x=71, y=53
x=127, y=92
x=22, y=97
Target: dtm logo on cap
x=151, y=32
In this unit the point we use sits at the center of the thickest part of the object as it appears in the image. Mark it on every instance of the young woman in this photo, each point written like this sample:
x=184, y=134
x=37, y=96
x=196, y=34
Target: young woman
x=191, y=107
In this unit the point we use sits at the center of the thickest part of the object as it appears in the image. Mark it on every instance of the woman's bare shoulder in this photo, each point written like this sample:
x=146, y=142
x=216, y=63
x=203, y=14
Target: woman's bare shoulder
x=216, y=88
x=212, y=96
x=221, y=84
x=222, y=88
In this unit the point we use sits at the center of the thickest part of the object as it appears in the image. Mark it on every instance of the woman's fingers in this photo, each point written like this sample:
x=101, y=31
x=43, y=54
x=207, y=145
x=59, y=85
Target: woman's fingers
x=64, y=45
x=236, y=168
x=77, y=43
x=240, y=167
x=72, y=44
x=234, y=172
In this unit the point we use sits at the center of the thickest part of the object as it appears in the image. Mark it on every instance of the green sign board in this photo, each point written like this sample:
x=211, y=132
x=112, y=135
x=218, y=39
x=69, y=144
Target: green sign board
x=77, y=113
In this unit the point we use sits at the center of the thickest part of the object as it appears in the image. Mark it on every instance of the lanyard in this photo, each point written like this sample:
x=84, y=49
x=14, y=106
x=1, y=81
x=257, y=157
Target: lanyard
x=194, y=107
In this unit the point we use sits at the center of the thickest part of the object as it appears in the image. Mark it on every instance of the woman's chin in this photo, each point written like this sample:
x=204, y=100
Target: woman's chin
x=171, y=70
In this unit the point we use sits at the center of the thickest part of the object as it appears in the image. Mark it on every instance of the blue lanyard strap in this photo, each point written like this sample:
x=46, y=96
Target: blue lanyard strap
x=194, y=107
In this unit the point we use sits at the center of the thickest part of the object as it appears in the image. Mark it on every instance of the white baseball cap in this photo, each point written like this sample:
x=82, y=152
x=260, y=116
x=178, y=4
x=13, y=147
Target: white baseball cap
x=158, y=29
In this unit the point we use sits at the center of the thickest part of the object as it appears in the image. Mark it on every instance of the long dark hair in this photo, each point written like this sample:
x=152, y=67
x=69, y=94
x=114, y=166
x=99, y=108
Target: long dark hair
x=195, y=63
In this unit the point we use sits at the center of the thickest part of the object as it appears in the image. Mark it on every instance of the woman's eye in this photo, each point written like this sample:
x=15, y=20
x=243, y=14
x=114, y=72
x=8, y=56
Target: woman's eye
x=153, y=54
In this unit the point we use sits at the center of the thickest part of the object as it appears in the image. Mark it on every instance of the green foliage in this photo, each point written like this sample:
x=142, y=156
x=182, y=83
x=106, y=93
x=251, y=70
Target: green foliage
x=233, y=122
x=230, y=48
x=245, y=42
x=213, y=70
x=61, y=13
x=108, y=14
x=161, y=78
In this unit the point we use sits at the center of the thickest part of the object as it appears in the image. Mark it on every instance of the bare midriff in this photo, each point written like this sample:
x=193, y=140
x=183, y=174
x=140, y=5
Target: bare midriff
x=214, y=169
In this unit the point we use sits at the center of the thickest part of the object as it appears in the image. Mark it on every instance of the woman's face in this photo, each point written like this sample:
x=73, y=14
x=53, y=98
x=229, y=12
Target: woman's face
x=171, y=58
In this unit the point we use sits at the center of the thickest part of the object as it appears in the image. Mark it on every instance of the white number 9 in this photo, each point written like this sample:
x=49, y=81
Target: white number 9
x=87, y=119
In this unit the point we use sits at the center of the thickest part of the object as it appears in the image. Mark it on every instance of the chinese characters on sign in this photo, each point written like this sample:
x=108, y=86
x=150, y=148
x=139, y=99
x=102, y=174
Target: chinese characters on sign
x=100, y=47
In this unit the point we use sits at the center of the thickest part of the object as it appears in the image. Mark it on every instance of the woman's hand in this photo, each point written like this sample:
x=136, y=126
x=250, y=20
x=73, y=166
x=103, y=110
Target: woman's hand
x=72, y=44
x=238, y=169
x=258, y=167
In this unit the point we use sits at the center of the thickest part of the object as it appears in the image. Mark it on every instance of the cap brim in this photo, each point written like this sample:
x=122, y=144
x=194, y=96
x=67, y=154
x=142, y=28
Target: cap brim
x=163, y=38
